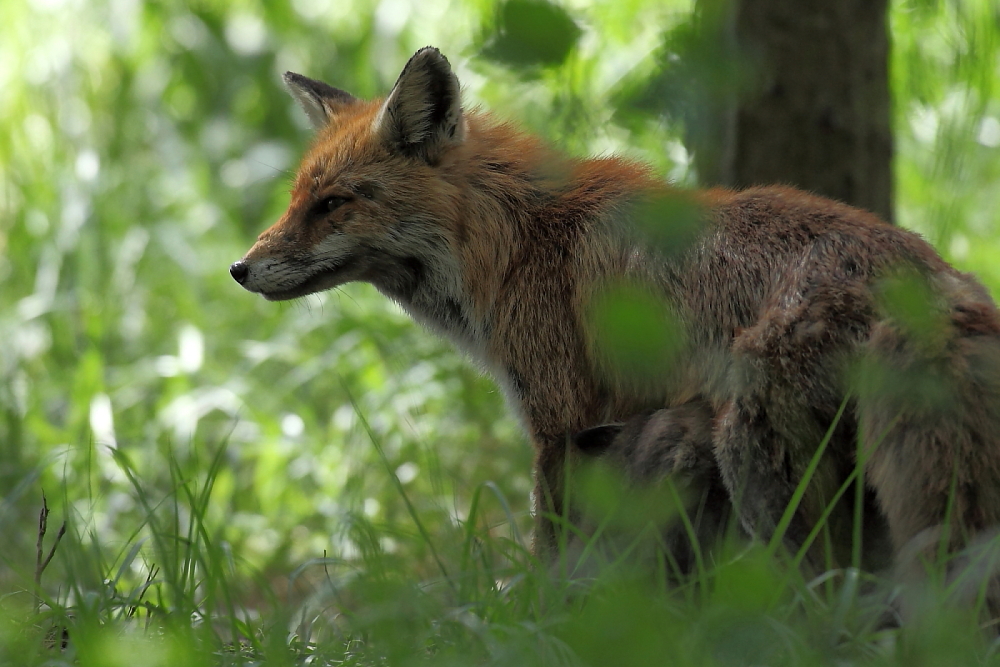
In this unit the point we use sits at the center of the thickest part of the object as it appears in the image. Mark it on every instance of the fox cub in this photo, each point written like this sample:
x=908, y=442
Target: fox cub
x=677, y=444
x=803, y=320
x=644, y=453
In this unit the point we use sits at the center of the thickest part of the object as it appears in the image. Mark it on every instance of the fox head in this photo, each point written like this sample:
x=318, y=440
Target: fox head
x=371, y=200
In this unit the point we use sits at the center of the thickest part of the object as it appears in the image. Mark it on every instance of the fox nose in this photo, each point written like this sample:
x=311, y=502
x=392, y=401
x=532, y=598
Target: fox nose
x=239, y=270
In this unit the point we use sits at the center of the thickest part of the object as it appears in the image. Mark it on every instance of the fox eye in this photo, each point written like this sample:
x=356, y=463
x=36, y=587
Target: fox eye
x=333, y=203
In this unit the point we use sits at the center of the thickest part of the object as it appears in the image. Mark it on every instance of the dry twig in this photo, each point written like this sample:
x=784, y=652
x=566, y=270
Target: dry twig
x=40, y=562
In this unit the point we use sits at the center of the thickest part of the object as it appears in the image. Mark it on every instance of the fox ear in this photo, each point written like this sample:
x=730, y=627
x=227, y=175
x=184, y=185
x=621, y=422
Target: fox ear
x=595, y=441
x=319, y=100
x=422, y=116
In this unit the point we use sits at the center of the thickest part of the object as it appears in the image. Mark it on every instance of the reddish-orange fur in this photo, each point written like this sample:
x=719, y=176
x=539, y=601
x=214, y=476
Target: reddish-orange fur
x=497, y=242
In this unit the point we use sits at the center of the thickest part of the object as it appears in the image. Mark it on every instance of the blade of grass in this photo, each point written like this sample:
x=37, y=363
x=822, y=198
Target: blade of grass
x=800, y=489
x=425, y=536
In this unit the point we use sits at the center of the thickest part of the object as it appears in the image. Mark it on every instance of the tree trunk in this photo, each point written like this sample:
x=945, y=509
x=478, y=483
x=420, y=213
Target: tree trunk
x=818, y=113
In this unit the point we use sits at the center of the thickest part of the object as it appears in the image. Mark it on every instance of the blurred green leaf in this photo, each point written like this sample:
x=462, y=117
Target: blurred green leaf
x=912, y=305
x=748, y=582
x=531, y=33
x=635, y=332
x=625, y=626
x=908, y=368
x=697, y=65
x=672, y=221
x=607, y=497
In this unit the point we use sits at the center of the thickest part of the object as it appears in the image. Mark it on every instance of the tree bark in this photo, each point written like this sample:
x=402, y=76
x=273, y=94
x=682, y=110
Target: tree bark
x=817, y=114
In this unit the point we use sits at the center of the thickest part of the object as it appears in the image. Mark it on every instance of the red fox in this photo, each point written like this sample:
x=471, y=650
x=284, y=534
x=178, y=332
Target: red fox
x=792, y=332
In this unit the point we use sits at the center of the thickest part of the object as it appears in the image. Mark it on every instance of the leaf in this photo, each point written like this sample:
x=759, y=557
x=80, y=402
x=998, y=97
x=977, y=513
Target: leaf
x=531, y=33
x=635, y=331
x=697, y=67
x=672, y=221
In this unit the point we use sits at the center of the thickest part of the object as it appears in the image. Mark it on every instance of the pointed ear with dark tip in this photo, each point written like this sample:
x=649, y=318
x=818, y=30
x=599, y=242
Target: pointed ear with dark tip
x=320, y=101
x=595, y=441
x=422, y=116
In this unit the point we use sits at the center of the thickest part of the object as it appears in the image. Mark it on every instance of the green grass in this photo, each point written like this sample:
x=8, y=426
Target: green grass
x=174, y=592
x=469, y=592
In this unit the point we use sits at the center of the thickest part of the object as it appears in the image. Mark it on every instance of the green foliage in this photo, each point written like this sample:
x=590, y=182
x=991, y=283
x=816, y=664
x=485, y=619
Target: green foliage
x=671, y=222
x=607, y=499
x=225, y=501
x=695, y=68
x=531, y=33
x=639, y=337
x=947, y=126
x=490, y=604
